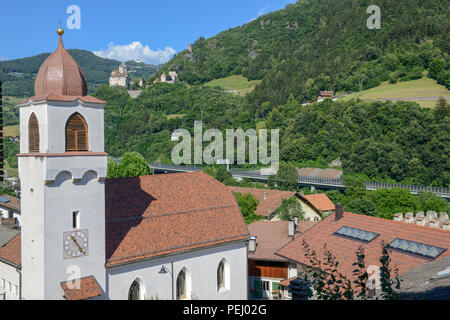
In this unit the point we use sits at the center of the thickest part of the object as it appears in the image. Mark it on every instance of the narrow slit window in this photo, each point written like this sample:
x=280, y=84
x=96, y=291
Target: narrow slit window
x=76, y=219
x=33, y=134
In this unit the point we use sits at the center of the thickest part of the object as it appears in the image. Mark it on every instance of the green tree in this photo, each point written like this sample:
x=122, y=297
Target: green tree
x=132, y=165
x=429, y=201
x=286, y=177
x=247, y=204
x=289, y=208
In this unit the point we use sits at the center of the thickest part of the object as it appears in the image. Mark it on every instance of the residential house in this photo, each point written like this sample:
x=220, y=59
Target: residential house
x=410, y=245
x=10, y=209
x=265, y=269
x=269, y=200
x=315, y=206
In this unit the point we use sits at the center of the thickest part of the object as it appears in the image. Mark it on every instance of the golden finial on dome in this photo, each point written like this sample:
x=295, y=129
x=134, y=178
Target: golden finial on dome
x=60, y=31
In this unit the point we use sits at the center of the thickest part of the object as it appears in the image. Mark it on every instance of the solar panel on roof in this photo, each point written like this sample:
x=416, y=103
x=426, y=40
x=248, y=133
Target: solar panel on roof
x=4, y=200
x=358, y=234
x=418, y=248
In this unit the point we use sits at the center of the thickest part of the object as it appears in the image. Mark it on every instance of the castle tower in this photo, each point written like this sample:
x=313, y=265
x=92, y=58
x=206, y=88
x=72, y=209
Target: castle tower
x=62, y=168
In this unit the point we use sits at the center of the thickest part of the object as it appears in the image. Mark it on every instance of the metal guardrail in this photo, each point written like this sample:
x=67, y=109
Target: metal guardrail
x=313, y=181
x=443, y=192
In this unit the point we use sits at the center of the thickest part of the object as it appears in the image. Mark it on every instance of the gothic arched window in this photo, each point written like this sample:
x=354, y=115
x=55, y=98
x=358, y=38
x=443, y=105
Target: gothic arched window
x=137, y=290
x=33, y=134
x=181, y=285
x=76, y=134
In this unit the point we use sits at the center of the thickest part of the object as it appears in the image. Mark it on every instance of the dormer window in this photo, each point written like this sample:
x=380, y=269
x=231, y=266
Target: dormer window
x=33, y=134
x=76, y=134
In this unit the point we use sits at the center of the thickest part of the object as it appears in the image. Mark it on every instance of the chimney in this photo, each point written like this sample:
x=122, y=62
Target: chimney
x=291, y=228
x=339, y=211
x=252, y=244
x=265, y=196
x=296, y=219
x=398, y=217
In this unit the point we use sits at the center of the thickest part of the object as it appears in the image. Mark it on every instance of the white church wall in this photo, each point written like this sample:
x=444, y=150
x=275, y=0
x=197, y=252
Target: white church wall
x=59, y=207
x=9, y=282
x=201, y=266
x=32, y=228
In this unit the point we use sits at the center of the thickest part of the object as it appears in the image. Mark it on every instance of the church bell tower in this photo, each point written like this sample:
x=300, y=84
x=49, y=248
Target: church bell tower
x=62, y=170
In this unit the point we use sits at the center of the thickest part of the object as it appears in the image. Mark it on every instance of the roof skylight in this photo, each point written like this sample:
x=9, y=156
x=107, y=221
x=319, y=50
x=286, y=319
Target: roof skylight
x=357, y=234
x=418, y=248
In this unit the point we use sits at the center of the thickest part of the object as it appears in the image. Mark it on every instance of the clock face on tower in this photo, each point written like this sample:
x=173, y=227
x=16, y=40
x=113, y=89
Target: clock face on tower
x=75, y=244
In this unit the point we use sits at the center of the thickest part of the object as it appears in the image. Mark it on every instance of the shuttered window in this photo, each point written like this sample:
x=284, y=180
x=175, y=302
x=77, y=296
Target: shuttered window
x=76, y=134
x=33, y=134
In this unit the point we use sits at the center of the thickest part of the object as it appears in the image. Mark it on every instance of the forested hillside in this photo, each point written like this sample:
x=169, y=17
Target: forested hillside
x=316, y=45
x=18, y=75
x=381, y=141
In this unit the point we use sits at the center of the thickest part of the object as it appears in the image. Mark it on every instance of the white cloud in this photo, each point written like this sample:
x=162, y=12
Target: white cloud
x=136, y=50
x=261, y=11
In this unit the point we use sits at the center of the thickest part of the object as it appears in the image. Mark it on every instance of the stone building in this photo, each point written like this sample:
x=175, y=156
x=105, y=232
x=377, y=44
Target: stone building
x=119, y=77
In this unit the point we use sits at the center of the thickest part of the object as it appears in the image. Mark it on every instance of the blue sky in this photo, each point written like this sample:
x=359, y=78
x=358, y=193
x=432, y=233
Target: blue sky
x=147, y=29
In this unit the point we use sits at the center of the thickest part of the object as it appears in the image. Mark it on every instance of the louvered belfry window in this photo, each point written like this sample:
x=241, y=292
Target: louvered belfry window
x=33, y=134
x=76, y=134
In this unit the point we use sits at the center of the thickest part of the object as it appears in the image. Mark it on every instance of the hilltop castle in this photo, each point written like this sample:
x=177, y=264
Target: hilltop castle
x=119, y=78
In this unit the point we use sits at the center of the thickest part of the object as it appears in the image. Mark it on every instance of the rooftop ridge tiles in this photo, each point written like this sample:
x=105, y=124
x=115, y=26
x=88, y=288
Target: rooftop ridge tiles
x=167, y=214
x=153, y=252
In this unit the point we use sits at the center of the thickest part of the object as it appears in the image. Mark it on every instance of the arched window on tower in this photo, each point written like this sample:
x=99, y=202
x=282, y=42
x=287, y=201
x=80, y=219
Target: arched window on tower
x=33, y=134
x=76, y=134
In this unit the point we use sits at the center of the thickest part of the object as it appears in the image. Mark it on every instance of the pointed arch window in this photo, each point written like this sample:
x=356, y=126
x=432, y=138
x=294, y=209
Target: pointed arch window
x=33, y=134
x=76, y=133
x=181, y=285
x=137, y=290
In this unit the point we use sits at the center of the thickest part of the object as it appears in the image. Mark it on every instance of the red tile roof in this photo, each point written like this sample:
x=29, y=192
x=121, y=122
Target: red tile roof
x=155, y=215
x=273, y=198
x=11, y=251
x=13, y=203
x=89, y=288
x=304, y=226
x=319, y=201
x=270, y=236
x=344, y=248
x=163, y=214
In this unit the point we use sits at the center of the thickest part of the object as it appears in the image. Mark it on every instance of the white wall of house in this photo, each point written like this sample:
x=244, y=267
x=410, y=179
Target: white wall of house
x=201, y=269
x=310, y=213
x=9, y=282
x=6, y=212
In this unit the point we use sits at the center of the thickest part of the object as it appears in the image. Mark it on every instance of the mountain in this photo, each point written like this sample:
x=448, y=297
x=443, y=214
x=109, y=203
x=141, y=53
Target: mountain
x=19, y=74
x=317, y=45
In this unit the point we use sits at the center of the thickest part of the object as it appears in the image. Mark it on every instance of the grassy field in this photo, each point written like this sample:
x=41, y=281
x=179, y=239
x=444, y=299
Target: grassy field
x=424, y=91
x=11, y=172
x=236, y=84
x=11, y=131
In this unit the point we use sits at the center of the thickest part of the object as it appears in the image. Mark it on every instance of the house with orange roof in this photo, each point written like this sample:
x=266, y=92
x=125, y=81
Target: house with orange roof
x=269, y=200
x=315, y=206
x=342, y=233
